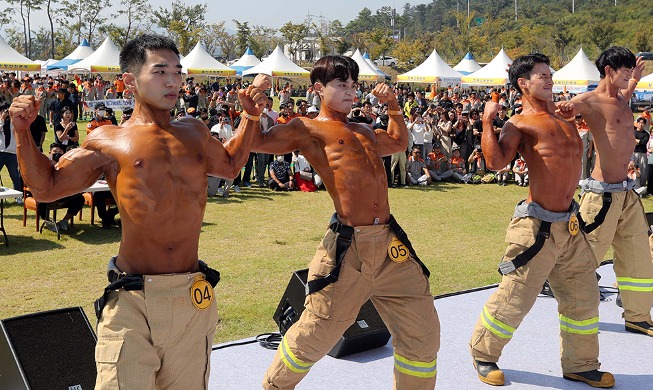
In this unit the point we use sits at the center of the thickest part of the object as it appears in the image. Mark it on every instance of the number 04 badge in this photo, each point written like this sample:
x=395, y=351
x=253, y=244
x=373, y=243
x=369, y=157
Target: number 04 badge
x=397, y=251
x=201, y=293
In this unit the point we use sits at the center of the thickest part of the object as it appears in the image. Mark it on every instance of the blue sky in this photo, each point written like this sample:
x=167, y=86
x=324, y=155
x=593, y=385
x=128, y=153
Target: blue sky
x=268, y=13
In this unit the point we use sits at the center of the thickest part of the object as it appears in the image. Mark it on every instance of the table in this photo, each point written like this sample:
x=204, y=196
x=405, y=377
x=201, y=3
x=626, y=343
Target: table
x=6, y=193
x=98, y=186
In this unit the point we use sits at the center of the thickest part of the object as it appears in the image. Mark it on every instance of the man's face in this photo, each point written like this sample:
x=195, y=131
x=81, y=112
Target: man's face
x=640, y=125
x=540, y=83
x=159, y=80
x=620, y=77
x=338, y=94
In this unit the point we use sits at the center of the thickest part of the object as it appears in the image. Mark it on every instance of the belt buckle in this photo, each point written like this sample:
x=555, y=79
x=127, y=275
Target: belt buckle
x=506, y=267
x=114, y=275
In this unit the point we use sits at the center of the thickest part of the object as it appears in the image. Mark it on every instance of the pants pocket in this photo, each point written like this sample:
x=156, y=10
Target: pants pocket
x=107, y=354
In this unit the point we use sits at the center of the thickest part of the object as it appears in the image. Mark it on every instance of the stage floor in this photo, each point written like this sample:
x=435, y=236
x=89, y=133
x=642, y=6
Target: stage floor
x=530, y=361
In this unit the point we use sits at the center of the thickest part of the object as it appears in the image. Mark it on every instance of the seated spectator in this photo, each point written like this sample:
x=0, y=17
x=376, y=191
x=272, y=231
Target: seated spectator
x=457, y=165
x=521, y=172
x=74, y=203
x=416, y=169
x=312, y=112
x=502, y=175
x=437, y=164
x=66, y=133
x=306, y=178
x=281, y=178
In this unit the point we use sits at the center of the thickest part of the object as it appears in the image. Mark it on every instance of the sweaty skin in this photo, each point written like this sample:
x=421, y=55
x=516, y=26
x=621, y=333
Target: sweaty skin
x=549, y=144
x=346, y=155
x=610, y=119
x=156, y=168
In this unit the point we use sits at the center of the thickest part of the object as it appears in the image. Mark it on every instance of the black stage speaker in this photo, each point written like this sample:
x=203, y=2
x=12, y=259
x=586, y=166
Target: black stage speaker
x=366, y=333
x=52, y=350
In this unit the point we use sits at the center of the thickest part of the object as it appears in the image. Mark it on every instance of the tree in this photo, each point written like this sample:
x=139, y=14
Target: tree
x=379, y=41
x=135, y=14
x=182, y=22
x=243, y=36
x=25, y=9
x=83, y=17
x=215, y=36
x=602, y=34
x=294, y=34
x=263, y=40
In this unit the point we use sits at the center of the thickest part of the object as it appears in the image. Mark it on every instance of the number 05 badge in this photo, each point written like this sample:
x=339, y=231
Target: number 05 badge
x=201, y=293
x=397, y=251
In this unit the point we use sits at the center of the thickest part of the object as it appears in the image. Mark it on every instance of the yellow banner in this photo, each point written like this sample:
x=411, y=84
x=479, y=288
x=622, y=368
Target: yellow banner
x=211, y=72
x=303, y=75
x=417, y=79
x=645, y=85
x=369, y=77
x=105, y=69
x=571, y=82
x=484, y=80
x=20, y=67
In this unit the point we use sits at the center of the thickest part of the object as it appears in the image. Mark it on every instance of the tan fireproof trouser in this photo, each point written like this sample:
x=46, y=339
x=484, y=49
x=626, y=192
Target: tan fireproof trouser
x=155, y=338
x=399, y=291
x=625, y=228
x=568, y=262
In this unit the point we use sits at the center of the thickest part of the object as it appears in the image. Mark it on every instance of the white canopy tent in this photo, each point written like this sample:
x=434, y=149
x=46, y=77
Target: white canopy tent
x=278, y=65
x=494, y=73
x=432, y=71
x=365, y=71
x=467, y=65
x=11, y=60
x=104, y=60
x=577, y=76
x=82, y=51
x=367, y=59
x=247, y=61
x=645, y=83
x=200, y=62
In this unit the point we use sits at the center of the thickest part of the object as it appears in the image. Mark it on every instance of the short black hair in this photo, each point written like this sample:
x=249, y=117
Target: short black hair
x=134, y=53
x=615, y=57
x=330, y=68
x=523, y=66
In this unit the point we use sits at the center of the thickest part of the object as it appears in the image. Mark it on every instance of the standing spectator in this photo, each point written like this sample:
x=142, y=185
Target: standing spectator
x=57, y=105
x=588, y=146
x=66, y=133
x=119, y=86
x=444, y=129
x=418, y=129
x=639, y=156
x=75, y=100
x=646, y=114
x=8, y=149
x=99, y=118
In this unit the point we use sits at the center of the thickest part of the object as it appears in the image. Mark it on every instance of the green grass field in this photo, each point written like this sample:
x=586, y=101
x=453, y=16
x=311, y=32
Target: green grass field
x=256, y=239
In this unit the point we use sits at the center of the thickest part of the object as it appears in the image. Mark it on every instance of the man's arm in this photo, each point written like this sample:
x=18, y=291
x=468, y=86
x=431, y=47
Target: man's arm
x=632, y=83
x=498, y=153
x=395, y=139
x=74, y=172
x=226, y=160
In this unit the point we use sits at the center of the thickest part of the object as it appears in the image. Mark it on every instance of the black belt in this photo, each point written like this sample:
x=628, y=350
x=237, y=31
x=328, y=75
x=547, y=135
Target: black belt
x=523, y=258
x=343, y=242
x=600, y=217
x=134, y=282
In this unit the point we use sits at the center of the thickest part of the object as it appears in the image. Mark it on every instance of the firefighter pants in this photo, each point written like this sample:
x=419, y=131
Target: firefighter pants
x=156, y=338
x=568, y=262
x=625, y=228
x=400, y=293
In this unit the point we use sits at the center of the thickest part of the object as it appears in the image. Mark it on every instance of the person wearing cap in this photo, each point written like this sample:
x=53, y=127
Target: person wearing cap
x=312, y=112
x=610, y=208
x=99, y=119
x=544, y=236
x=126, y=115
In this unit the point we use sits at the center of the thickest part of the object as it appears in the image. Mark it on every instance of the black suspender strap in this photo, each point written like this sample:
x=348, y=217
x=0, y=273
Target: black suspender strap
x=343, y=242
x=523, y=258
x=600, y=217
x=403, y=237
x=127, y=282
